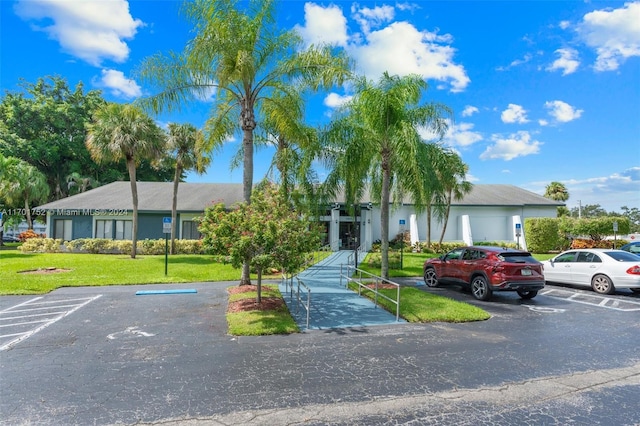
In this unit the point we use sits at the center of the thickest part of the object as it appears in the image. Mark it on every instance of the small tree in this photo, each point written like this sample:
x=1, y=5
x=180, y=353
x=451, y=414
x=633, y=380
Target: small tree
x=124, y=132
x=267, y=232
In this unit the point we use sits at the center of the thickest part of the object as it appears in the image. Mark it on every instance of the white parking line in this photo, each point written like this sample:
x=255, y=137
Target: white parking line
x=593, y=300
x=24, y=308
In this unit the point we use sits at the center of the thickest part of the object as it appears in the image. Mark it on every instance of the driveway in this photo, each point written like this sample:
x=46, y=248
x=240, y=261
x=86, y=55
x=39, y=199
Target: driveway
x=166, y=359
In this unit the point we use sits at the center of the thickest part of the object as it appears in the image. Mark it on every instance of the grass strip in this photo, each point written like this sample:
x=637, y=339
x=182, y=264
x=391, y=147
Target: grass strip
x=419, y=306
x=260, y=322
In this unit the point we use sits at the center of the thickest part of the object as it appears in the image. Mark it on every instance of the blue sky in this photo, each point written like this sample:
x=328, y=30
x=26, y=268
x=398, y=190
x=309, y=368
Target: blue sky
x=542, y=90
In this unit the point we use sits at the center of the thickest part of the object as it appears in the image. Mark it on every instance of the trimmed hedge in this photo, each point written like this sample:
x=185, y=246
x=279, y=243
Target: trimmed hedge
x=105, y=246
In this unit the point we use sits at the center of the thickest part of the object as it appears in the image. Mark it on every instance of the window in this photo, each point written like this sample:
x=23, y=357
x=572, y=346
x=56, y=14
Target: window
x=124, y=230
x=103, y=229
x=190, y=230
x=62, y=229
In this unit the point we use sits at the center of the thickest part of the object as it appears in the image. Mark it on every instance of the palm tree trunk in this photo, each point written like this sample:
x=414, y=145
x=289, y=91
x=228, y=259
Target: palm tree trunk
x=429, y=225
x=131, y=166
x=174, y=206
x=384, y=219
x=446, y=218
x=248, y=123
x=28, y=213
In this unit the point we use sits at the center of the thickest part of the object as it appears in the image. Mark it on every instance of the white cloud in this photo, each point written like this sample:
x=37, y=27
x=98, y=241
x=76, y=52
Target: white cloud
x=543, y=122
x=516, y=145
x=399, y=48
x=610, y=191
x=461, y=135
x=367, y=18
x=402, y=49
x=118, y=84
x=564, y=24
x=323, y=25
x=469, y=110
x=514, y=114
x=457, y=135
x=562, y=111
x=334, y=100
x=567, y=61
x=613, y=33
x=90, y=30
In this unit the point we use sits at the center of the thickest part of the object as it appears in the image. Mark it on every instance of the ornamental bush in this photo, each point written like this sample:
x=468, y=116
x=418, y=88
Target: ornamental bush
x=41, y=245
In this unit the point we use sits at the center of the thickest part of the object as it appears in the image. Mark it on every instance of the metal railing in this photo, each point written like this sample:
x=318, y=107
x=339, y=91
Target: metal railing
x=299, y=295
x=351, y=260
x=287, y=281
x=370, y=283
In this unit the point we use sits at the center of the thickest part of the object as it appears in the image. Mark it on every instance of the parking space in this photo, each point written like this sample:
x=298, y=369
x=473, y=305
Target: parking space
x=23, y=320
x=116, y=357
x=615, y=302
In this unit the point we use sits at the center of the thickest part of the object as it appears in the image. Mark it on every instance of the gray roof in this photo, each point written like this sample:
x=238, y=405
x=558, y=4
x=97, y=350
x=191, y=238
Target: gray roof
x=152, y=197
x=503, y=195
x=195, y=197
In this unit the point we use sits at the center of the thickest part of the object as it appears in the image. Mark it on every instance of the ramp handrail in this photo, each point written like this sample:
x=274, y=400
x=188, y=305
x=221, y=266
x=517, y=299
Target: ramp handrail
x=348, y=271
x=306, y=304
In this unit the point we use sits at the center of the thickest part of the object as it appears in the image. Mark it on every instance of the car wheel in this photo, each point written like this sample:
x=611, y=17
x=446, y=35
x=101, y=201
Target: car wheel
x=527, y=294
x=602, y=284
x=480, y=288
x=430, y=278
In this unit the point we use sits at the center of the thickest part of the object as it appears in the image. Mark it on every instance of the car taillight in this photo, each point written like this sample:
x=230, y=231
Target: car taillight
x=634, y=270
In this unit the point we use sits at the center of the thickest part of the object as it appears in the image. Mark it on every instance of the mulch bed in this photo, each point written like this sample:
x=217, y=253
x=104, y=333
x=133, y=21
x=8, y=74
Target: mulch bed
x=245, y=305
x=389, y=286
x=50, y=270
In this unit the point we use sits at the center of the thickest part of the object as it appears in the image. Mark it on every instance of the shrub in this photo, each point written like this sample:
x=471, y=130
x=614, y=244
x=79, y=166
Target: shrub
x=28, y=234
x=543, y=234
x=41, y=245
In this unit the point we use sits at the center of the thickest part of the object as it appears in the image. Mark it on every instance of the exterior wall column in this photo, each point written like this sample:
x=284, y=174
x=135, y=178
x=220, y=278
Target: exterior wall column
x=334, y=230
x=517, y=227
x=467, y=235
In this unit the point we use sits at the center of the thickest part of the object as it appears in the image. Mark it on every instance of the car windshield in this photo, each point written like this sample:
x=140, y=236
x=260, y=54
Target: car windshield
x=623, y=256
x=516, y=257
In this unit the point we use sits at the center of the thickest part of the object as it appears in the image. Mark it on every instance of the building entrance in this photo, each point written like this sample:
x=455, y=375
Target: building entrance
x=349, y=235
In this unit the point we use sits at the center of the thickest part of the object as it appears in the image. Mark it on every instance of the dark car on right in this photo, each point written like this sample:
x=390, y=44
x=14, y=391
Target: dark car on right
x=485, y=269
x=632, y=247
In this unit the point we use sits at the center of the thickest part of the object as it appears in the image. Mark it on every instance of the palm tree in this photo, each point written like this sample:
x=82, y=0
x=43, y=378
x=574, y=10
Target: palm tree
x=248, y=61
x=454, y=185
x=185, y=141
x=124, y=132
x=374, y=140
x=430, y=157
x=23, y=184
x=556, y=191
x=80, y=183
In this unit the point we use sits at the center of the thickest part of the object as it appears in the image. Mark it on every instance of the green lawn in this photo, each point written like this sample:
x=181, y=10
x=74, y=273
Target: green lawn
x=261, y=322
x=419, y=306
x=102, y=269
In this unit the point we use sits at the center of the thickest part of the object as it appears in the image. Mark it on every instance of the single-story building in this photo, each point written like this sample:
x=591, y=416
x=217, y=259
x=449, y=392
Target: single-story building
x=487, y=213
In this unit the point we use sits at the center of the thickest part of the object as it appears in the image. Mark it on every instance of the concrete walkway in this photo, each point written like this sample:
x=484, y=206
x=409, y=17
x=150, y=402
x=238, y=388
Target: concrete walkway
x=332, y=305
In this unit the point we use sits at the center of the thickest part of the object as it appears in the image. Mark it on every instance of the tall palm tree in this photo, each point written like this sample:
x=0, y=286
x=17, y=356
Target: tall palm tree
x=124, y=132
x=23, y=184
x=454, y=185
x=374, y=140
x=430, y=157
x=246, y=59
x=186, y=144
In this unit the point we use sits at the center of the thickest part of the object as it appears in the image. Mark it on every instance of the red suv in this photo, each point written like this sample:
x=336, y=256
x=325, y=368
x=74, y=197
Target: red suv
x=487, y=269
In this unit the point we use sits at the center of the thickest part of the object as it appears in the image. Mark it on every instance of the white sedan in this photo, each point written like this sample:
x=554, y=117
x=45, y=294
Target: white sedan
x=604, y=270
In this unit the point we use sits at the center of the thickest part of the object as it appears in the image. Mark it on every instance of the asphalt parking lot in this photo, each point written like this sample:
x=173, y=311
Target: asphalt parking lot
x=102, y=355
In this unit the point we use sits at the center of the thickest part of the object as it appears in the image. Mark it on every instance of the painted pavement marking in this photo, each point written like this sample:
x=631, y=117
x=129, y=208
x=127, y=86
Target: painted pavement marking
x=599, y=301
x=25, y=319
